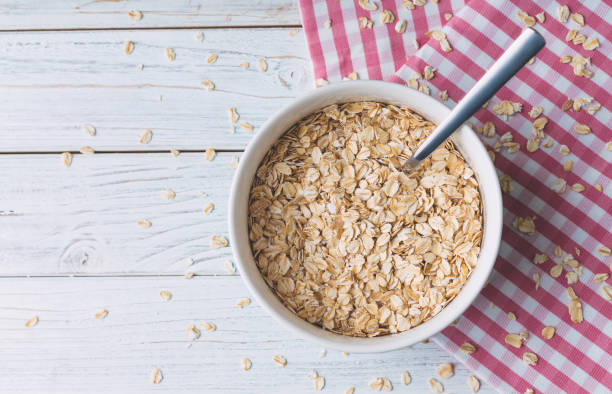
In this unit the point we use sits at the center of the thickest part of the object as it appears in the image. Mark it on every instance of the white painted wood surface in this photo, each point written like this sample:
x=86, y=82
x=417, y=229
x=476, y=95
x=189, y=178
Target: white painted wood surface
x=69, y=243
x=54, y=82
x=113, y=14
x=70, y=351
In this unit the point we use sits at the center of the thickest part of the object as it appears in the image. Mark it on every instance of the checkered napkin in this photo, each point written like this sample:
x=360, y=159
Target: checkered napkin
x=541, y=184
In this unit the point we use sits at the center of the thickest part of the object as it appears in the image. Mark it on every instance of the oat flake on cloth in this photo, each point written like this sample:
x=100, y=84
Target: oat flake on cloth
x=578, y=358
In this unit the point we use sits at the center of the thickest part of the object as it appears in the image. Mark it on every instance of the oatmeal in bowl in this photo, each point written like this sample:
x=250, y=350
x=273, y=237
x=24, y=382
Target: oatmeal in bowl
x=342, y=245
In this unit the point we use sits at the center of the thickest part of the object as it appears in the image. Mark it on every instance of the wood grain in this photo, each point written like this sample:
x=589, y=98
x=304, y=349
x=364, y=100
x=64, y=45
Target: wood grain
x=82, y=219
x=70, y=351
x=51, y=83
x=113, y=14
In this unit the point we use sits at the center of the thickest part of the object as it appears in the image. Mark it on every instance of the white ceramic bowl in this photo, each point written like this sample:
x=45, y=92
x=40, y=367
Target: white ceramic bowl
x=466, y=142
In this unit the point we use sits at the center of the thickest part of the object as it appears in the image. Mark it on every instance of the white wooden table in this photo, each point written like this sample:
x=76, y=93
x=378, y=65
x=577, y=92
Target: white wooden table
x=69, y=243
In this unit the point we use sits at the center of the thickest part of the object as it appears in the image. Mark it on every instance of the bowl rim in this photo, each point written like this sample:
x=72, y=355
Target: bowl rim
x=465, y=138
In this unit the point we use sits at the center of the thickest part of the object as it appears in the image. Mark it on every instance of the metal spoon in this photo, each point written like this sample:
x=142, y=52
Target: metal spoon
x=511, y=61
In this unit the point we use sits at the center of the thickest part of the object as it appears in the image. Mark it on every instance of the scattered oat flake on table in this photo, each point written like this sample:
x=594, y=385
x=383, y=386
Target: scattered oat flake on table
x=278, y=359
x=156, y=376
x=262, y=65
x=511, y=316
x=32, y=322
x=208, y=326
x=507, y=108
x=144, y=223
x=86, y=150
x=168, y=194
x=321, y=82
x=145, y=136
x=135, y=15
x=244, y=65
x=607, y=292
x=210, y=154
x=536, y=279
x=175, y=152
x=525, y=225
x=593, y=109
x=548, y=332
x=604, y=251
x=234, y=162
x=435, y=386
x=567, y=165
x=530, y=358
x=246, y=127
x=445, y=370
x=246, y=364
x=467, y=348
x=598, y=187
x=67, y=158
x=193, y=332
x=406, y=378
x=575, y=310
x=400, y=26
x=368, y=5
x=578, y=19
x=218, y=241
x=506, y=183
x=242, y=302
x=591, y=44
x=189, y=275
x=563, y=13
x=319, y=383
x=386, y=16
x=365, y=23
x=429, y=72
x=529, y=391
x=526, y=18
x=229, y=267
x=514, y=340
x=128, y=47
x=233, y=115
x=101, y=314
x=208, y=208
x=541, y=17
x=535, y=112
x=199, y=36
x=582, y=129
x=139, y=67
x=540, y=258
x=578, y=187
x=353, y=76
x=170, y=55
x=569, y=103
x=327, y=24
x=601, y=277
x=350, y=390
x=165, y=295
x=212, y=58
x=443, y=95
x=292, y=32
x=380, y=384
x=208, y=84
x=89, y=129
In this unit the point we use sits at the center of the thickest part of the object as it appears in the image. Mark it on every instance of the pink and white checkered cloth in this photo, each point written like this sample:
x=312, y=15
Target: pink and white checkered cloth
x=578, y=359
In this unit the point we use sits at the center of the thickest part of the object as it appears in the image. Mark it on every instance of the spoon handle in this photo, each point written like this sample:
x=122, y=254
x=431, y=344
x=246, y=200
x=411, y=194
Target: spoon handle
x=511, y=61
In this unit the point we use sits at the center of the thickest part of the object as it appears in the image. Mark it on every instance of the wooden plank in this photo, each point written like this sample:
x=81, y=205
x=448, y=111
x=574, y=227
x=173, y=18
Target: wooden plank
x=82, y=219
x=88, y=14
x=70, y=351
x=51, y=83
